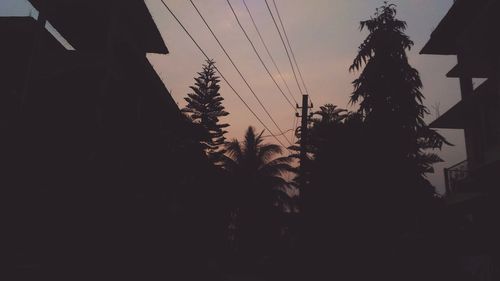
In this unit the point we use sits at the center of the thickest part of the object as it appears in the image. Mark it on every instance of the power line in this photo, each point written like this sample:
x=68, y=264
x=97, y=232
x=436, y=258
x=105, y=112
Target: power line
x=268, y=52
x=289, y=130
x=220, y=73
x=289, y=45
x=237, y=69
x=284, y=45
x=258, y=55
x=291, y=50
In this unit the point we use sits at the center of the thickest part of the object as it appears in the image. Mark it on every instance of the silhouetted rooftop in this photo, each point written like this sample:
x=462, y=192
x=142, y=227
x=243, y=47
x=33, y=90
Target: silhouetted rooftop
x=151, y=77
x=444, y=38
x=53, y=62
x=451, y=119
x=21, y=35
x=136, y=73
x=474, y=69
x=455, y=117
x=83, y=23
x=16, y=50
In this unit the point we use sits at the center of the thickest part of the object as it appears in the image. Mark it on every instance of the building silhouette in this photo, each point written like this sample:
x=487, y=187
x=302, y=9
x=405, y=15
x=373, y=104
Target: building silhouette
x=99, y=166
x=470, y=31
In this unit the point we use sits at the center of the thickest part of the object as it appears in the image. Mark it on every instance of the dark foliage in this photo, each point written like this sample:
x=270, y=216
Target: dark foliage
x=367, y=190
x=388, y=91
x=260, y=192
x=205, y=107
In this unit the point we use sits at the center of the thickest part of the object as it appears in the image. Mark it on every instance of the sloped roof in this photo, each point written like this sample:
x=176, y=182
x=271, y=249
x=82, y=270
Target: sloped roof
x=444, y=38
x=18, y=33
x=16, y=50
x=83, y=23
x=451, y=119
x=455, y=117
x=475, y=69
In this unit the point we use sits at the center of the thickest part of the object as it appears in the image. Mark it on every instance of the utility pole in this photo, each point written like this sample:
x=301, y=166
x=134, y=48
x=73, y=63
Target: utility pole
x=303, y=136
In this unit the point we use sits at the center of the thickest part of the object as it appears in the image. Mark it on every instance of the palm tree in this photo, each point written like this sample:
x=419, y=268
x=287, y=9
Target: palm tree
x=258, y=165
x=330, y=114
x=259, y=171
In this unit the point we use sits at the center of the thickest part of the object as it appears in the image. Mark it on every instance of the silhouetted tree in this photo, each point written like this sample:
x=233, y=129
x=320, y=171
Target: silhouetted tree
x=367, y=176
x=205, y=107
x=334, y=231
x=260, y=172
x=388, y=91
x=396, y=157
x=322, y=122
x=335, y=138
x=334, y=145
x=327, y=115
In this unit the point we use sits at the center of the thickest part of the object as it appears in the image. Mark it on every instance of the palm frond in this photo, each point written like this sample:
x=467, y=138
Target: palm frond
x=266, y=152
x=233, y=150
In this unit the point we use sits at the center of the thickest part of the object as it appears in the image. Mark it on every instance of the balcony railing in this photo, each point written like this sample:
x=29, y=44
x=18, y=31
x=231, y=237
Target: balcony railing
x=456, y=177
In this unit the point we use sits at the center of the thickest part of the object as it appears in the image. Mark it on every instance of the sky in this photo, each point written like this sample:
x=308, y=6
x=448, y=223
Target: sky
x=324, y=35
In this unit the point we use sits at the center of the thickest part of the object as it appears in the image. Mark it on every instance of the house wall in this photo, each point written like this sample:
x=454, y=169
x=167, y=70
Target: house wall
x=482, y=128
x=493, y=151
x=472, y=126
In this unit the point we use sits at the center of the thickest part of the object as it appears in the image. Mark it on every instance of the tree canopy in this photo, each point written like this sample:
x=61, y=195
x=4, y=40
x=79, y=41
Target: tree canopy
x=389, y=94
x=204, y=107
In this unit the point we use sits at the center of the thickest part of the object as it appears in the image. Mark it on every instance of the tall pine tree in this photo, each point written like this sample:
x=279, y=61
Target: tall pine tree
x=388, y=91
x=204, y=107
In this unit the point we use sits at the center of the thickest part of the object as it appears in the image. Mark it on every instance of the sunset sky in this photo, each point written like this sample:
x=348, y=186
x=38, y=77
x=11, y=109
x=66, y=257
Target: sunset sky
x=324, y=35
